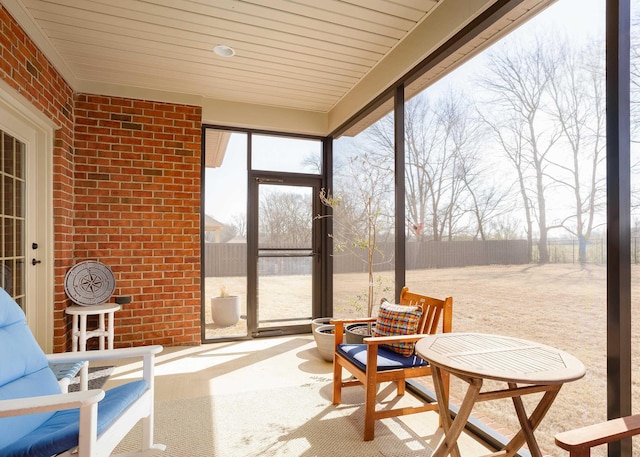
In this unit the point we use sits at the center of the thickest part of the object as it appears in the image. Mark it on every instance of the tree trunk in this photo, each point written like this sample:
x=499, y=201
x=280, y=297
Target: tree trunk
x=582, y=249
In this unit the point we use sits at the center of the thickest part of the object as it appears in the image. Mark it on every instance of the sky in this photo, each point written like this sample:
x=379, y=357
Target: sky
x=226, y=187
x=225, y=193
x=229, y=182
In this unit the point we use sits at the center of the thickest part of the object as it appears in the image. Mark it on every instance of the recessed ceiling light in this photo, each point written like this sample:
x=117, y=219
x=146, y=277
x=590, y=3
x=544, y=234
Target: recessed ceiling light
x=224, y=51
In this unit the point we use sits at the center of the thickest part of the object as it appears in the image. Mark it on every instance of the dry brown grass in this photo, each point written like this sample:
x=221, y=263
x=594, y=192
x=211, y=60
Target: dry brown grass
x=560, y=305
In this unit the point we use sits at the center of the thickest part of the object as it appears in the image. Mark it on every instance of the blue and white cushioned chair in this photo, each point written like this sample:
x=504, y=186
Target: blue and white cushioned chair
x=388, y=355
x=37, y=420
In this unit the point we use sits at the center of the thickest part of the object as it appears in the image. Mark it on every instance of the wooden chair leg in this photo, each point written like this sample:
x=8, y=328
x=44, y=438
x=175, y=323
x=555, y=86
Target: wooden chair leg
x=337, y=382
x=401, y=386
x=369, y=412
x=370, y=393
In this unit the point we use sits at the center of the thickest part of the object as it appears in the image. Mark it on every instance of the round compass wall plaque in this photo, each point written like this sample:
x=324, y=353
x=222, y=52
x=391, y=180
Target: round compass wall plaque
x=89, y=283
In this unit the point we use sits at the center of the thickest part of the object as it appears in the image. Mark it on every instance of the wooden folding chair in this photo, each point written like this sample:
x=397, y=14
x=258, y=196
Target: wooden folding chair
x=374, y=362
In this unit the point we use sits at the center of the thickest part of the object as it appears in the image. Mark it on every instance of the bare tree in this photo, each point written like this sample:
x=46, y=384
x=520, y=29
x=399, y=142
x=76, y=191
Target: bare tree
x=635, y=75
x=227, y=233
x=487, y=204
x=362, y=209
x=365, y=170
x=443, y=175
x=510, y=137
x=578, y=94
x=517, y=81
x=635, y=110
x=421, y=142
x=505, y=228
x=474, y=191
x=239, y=223
x=458, y=154
x=285, y=218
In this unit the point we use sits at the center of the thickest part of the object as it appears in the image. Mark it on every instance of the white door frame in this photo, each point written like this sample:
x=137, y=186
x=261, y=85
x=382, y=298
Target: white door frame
x=24, y=122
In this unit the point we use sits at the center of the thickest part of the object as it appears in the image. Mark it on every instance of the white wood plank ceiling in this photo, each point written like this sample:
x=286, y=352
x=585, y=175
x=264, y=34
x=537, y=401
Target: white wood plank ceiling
x=326, y=58
x=303, y=54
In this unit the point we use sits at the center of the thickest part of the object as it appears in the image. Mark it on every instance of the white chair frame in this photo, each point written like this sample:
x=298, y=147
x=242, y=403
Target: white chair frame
x=90, y=444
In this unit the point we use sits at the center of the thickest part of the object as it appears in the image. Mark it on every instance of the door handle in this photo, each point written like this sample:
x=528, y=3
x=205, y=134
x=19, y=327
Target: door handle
x=35, y=262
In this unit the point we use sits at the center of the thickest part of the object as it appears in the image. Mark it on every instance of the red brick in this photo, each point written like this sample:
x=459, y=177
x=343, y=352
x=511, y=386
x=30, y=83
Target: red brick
x=99, y=188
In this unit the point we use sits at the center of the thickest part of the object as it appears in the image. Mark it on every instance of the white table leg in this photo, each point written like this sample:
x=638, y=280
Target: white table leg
x=111, y=330
x=80, y=335
x=101, y=329
x=83, y=332
x=74, y=333
x=84, y=371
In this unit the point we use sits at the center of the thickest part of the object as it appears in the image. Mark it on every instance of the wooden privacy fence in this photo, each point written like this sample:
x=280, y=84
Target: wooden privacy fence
x=229, y=259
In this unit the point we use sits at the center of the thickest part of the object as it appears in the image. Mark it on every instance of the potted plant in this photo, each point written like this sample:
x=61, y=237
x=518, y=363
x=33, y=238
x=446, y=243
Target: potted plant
x=225, y=309
x=357, y=235
x=356, y=332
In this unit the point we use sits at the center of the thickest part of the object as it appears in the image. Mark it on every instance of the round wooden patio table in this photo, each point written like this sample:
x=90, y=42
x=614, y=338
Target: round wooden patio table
x=526, y=367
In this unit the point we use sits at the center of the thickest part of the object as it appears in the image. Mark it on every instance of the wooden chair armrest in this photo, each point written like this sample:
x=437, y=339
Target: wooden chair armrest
x=579, y=441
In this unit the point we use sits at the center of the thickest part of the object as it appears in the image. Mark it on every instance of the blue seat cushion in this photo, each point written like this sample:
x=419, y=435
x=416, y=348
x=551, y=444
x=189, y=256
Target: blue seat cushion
x=387, y=359
x=24, y=371
x=60, y=432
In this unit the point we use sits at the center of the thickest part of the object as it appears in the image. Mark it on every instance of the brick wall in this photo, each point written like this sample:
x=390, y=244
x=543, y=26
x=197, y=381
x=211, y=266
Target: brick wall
x=137, y=209
x=126, y=191
x=24, y=68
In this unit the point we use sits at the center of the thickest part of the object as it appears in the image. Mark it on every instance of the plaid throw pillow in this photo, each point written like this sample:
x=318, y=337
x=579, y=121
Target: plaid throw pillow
x=398, y=320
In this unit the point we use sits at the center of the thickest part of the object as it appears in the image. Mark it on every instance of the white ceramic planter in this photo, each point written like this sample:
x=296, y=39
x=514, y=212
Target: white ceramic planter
x=318, y=322
x=324, y=337
x=225, y=310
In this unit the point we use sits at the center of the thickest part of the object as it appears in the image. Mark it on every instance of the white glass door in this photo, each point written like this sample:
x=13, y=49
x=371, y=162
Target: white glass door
x=12, y=216
x=26, y=219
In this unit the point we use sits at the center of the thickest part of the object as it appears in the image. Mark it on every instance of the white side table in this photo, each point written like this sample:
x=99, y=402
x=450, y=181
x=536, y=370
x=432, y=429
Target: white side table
x=80, y=335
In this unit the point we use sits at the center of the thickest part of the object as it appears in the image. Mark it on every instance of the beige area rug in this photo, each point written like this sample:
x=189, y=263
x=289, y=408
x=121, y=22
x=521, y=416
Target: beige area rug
x=286, y=422
x=269, y=397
